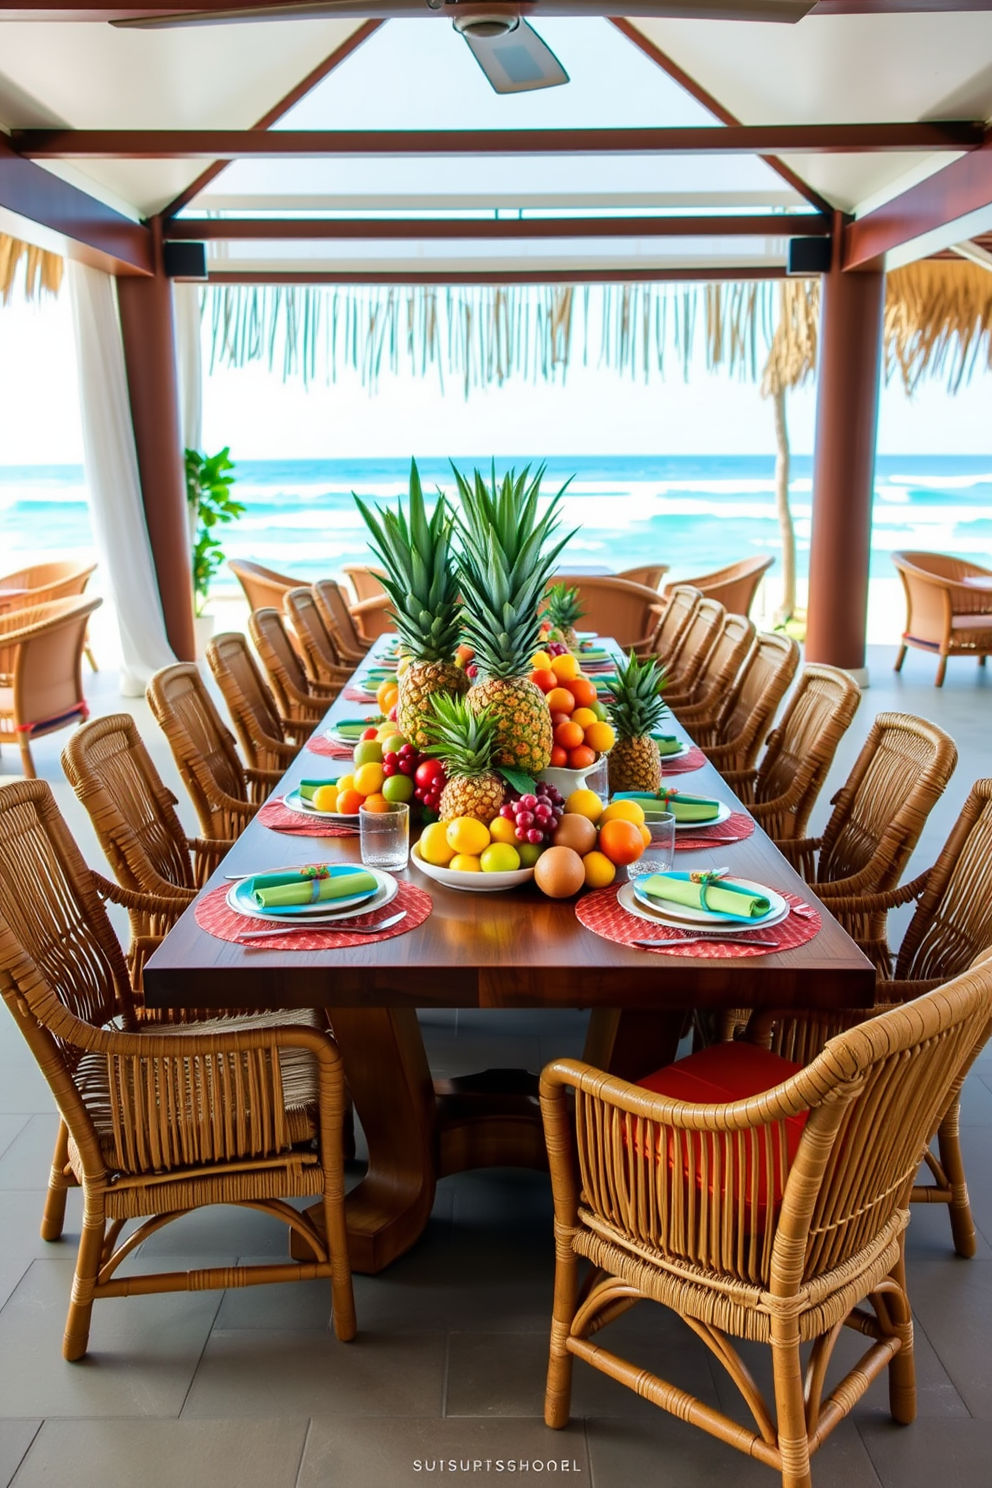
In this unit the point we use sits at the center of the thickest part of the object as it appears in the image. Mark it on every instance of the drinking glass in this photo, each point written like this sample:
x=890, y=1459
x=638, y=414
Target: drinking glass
x=660, y=856
x=598, y=778
x=385, y=835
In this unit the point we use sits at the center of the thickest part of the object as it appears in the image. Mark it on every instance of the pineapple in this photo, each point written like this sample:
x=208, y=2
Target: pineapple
x=563, y=609
x=420, y=581
x=464, y=740
x=502, y=574
x=634, y=761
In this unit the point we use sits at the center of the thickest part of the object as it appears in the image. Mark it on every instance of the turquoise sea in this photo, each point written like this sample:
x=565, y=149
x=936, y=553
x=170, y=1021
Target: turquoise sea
x=692, y=512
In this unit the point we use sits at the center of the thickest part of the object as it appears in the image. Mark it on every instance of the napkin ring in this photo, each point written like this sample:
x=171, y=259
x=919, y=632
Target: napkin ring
x=666, y=795
x=704, y=878
x=315, y=872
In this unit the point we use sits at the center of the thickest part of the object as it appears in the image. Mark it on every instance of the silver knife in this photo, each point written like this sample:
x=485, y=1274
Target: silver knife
x=298, y=929
x=770, y=945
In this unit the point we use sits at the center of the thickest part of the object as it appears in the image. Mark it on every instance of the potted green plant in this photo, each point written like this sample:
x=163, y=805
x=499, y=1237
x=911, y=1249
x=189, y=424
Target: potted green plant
x=209, y=480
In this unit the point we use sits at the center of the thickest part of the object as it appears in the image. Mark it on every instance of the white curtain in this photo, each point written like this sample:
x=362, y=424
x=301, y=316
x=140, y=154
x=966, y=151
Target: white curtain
x=186, y=302
x=112, y=476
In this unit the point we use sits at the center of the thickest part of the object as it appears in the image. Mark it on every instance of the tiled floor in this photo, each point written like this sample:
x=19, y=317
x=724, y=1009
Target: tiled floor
x=249, y=1390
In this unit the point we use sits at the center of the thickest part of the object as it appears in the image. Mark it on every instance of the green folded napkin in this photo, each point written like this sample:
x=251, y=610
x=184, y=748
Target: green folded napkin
x=683, y=808
x=721, y=897
x=354, y=728
x=289, y=890
x=595, y=653
x=308, y=788
x=667, y=743
x=605, y=683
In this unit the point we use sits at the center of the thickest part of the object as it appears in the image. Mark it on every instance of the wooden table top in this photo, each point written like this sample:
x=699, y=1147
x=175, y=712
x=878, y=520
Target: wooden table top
x=518, y=949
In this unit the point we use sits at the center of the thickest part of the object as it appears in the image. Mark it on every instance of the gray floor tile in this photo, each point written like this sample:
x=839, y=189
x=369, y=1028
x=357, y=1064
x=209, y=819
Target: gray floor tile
x=263, y=1453
x=27, y=1161
x=12, y=1271
x=929, y=1452
x=929, y=1235
x=10, y=1127
x=23, y=1089
x=976, y=1102
x=345, y=1452
x=15, y=1438
x=21, y=1211
x=255, y=1372
x=953, y=1302
x=143, y=1350
x=659, y=1451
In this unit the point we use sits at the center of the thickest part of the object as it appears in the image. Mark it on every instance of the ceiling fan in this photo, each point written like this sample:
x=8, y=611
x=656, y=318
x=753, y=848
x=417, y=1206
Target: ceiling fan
x=506, y=47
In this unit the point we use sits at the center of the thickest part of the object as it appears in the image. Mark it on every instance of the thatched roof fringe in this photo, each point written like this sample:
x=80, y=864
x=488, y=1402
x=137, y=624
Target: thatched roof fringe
x=938, y=318
x=42, y=270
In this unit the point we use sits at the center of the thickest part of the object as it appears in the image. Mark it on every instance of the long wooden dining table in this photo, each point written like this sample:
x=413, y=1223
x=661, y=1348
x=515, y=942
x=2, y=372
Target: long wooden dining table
x=516, y=949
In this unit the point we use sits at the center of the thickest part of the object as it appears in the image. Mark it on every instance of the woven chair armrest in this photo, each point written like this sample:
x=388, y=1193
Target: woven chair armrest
x=220, y=800
x=717, y=752
x=739, y=777
x=282, y=747
x=207, y=846
x=166, y=904
x=871, y=900
x=263, y=777
x=794, y=849
x=191, y=1039
x=702, y=715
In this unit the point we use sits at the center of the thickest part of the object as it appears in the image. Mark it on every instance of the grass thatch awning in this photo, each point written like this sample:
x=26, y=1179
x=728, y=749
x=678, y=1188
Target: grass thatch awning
x=42, y=270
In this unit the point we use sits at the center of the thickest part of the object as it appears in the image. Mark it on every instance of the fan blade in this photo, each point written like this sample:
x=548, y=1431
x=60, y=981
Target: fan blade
x=518, y=61
x=305, y=10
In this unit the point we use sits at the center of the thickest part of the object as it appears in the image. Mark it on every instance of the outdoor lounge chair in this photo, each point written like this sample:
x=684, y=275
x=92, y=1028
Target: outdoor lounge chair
x=41, y=676
x=315, y=644
x=340, y=623
x=688, y=655
x=262, y=586
x=674, y=616
x=615, y=607
x=43, y=582
x=733, y=739
x=703, y=704
x=736, y=586
x=945, y=614
x=300, y=702
x=159, y=1121
x=650, y=576
x=267, y=740
x=365, y=579
x=759, y=1200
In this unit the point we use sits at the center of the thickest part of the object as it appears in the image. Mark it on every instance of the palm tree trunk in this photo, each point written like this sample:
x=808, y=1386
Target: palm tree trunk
x=786, y=527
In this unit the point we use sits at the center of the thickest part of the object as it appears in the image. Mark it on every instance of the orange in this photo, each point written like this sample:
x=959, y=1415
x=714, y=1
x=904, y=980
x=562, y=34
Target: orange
x=581, y=757
x=620, y=841
x=560, y=700
x=349, y=801
x=369, y=779
x=585, y=803
x=584, y=717
x=568, y=735
x=565, y=668
x=544, y=678
x=502, y=829
x=376, y=802
x=624, y=811
x=600, y=736
x=599, y=870
x=583, y=691
x=386, y=694
x=559, y=757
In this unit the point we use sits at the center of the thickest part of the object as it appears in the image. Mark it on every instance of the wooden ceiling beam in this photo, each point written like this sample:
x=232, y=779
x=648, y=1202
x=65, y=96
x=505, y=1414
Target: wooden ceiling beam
x=309, y=229
x=400, y=277
x=730, y=139
x=79, y=10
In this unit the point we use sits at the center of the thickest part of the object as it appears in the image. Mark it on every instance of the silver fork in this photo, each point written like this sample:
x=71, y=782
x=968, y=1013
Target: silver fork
x=770, y=945
x=296, y=929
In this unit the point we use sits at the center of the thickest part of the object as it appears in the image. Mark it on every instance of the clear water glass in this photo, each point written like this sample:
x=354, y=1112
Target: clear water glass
x=660, y=856
x=598, y=778
x=385, y=836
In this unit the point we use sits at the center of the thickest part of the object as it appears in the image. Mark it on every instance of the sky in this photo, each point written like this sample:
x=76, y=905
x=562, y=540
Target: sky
x=596, y=412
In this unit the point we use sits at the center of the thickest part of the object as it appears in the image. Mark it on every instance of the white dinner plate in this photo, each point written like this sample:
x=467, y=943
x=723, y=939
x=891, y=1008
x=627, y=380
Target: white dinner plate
x=724, y=812
x=239, y=899
x=679, y=753
x=295, y=802
x=649, y=909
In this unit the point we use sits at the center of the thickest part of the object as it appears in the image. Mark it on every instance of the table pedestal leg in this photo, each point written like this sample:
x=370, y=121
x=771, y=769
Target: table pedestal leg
x=632, y=1042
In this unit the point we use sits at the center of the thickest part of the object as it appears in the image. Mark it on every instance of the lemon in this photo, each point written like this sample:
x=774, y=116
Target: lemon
x=540, y=661
x=585, y=803
x=369, y=779
x=346, y=782
x=500, y=857
x=465, y=863
x=565, y=668
x=434, y=847
x=501, y=829
x=599, y=870
x=466, y=835
x=325, y=798
x=623, y=811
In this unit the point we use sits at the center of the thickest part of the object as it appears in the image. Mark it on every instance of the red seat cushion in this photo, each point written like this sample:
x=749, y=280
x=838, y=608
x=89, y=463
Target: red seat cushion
x=732, y=1072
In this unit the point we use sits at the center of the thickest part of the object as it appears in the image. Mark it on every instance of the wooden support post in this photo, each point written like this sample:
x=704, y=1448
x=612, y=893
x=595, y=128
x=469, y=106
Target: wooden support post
x=849, y=366
x=150, y=359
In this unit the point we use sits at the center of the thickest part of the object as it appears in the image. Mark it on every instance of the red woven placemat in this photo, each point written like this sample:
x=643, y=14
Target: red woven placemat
x=358, y=695
x=321, y=744
x=279, y=818
x=694, y=760
x=600, y=912
x=736, y=828
x=215, y=916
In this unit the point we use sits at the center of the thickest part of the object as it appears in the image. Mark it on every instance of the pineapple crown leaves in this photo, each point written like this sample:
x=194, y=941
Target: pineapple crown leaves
x=562, y=605
x=419, y=579
x=463, y=740
x=638, y=706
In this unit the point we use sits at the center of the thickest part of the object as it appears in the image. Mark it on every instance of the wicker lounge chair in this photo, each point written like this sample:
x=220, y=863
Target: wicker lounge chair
x=262, y=586
x=616, y=607
x=732, y=741
x=944, y=613
x=736, y=586
x=316, y=646
x=41, y=677
x=301, y=703
x=364, y=578
x=340, y=623
x=674, y=617
x=702, y=705
x=650, y=576
x=43, y=582
x=683, y=664
x=156, y=1122
x=268, y=741
x=758, y=1200
x=781, y=793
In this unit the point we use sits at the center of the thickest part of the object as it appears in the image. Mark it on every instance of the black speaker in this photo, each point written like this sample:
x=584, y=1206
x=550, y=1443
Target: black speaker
x=184, y=260
x=809, y=256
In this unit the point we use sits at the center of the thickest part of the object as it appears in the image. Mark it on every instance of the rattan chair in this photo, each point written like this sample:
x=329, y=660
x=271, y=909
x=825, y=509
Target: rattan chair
x=945, y=615
x=702, y=706
x=262, y=586
x=41, y=675
x=316, y=646
x=732, y=741
x=339, y=621
x=225, y=795
x=365, y=580
x=650, y=576
x=156, y=1122
x=684, y=663
x=674, y=617
x=781, y=793
x=899, y=776
x=615, y=607
x=951, y=928
x=300, y=702
x=43, y=582
x=734, y=587
x=768, y=1214
x=268, y=741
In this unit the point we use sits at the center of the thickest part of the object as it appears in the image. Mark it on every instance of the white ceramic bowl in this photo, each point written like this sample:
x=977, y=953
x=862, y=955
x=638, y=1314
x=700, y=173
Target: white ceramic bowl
x=473, y=883
x=566, y=781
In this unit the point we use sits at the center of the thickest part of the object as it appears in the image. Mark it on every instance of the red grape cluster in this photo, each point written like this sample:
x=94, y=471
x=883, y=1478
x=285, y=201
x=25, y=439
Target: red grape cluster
x=535, y=816
x=430, y=780
x=402, y=761
x=555, y=648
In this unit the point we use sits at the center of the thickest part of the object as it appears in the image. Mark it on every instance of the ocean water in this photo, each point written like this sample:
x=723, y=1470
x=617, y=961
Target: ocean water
x=692, y=512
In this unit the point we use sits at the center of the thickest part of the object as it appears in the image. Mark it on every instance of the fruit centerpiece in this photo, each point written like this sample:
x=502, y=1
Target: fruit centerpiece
x=563, y=610
x=580, y=731
x=636, y=711
x=420, y=581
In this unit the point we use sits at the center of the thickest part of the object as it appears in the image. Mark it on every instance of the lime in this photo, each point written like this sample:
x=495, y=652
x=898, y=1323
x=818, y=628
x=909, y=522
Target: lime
x=529, y=852
x=368, y=752
x=393, y=744
x=500, y=857
x=398, y=788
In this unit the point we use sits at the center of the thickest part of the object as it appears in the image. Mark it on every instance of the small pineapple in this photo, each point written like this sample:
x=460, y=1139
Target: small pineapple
x=634, y=761
x=562, y=608
x=502, y=573
x=420, y=581
x=464, y=741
